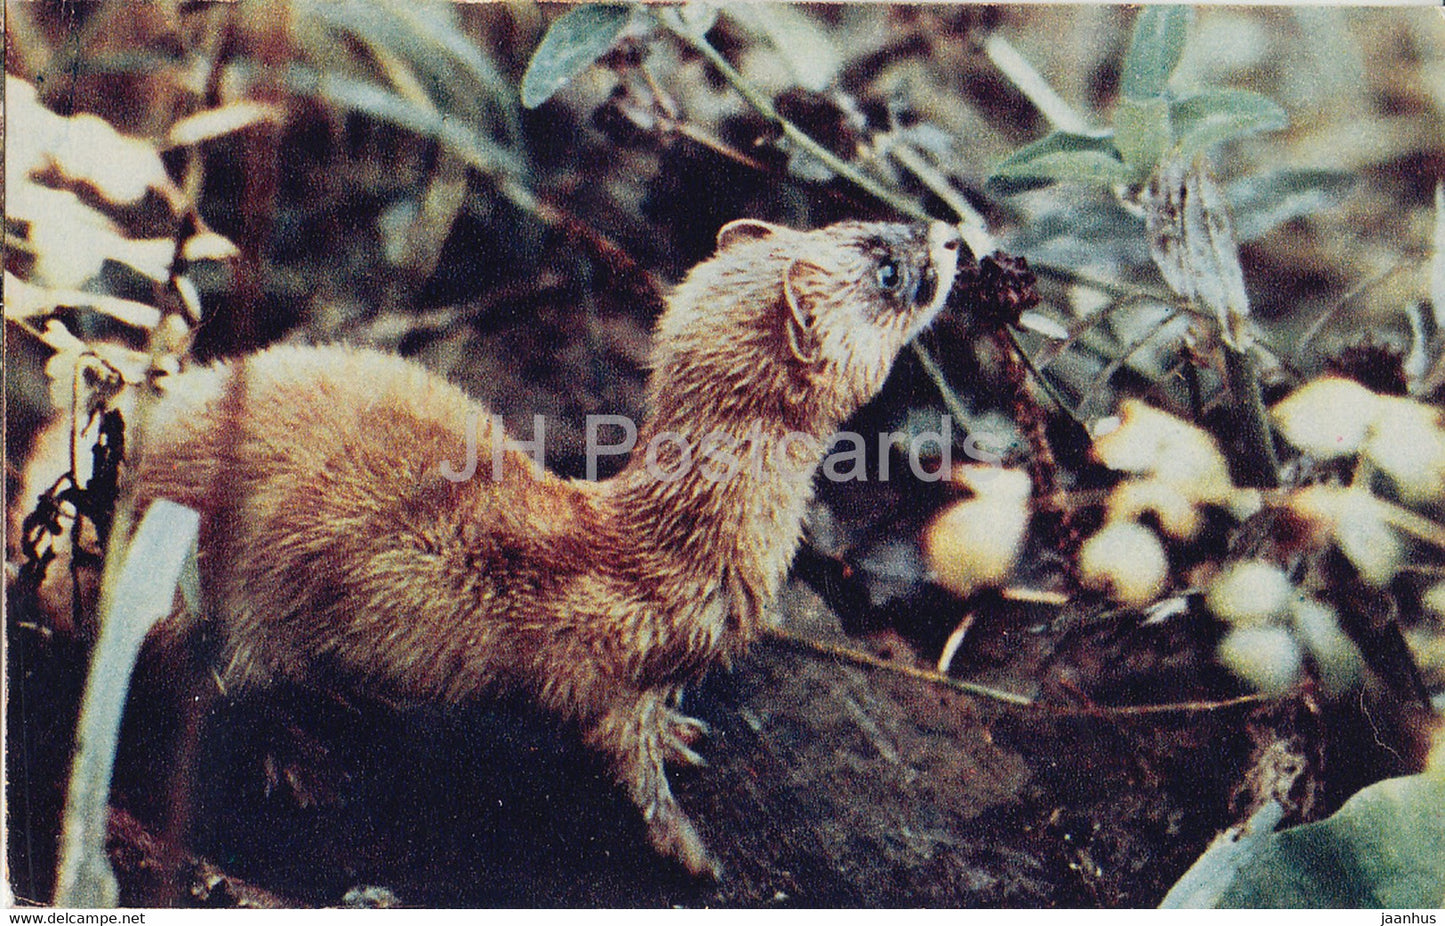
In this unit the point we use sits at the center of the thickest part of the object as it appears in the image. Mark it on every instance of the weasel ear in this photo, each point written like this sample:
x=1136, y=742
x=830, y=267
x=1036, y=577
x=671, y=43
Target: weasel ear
x=799, y=285
x=745, y=230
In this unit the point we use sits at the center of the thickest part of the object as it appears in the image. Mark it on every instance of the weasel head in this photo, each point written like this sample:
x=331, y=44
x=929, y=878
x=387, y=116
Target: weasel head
x=821, y=315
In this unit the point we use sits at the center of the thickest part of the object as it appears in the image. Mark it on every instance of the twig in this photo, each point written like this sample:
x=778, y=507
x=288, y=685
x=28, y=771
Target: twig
x=1109, y=287
x=951, y=400
x=671, y=19
x=852, y=655
x=1175, y=707
x=1042, y=464
x=1044, y=382
x=715, y=145
x=1031, y=84
x=954, y=642
x=1325, y=317
x=1122, y=357
x=974, y=228
x=799, y=641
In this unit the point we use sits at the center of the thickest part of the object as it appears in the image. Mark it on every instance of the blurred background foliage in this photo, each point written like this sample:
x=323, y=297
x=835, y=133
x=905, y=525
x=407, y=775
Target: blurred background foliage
x=402, y=196
x=362, y=171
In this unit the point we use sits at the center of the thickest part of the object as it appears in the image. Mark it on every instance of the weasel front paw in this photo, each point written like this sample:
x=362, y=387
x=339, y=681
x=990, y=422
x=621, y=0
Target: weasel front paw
x=642, y=734
x=672, y=834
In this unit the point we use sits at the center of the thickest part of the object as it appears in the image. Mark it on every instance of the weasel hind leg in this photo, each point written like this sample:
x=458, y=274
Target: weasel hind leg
x=640, y=734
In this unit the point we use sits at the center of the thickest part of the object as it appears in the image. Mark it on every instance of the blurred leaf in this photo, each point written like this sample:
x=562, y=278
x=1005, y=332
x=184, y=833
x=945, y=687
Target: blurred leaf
x=223, y=120
x=1263, y=202
x=83, y=149
x=209, y=246
x=1366, y=537
x=436, y=23
x=454, y=71
x=1040, y=323
x=1202, y=119
x=475, y=149
x=70, y=240
x=798, y=38
x=572, y=43
x=23, y=300
x=153, y=257
x=1142, y=132
x=1098, y=168
x=1060, y=156
x=1098, y=233
x=1384, y=848
x=1154, y=50
x=65, y=229
x=144, y=592
x=1192, y=242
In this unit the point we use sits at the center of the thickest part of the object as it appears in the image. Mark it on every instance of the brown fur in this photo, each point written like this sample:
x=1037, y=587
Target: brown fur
x=334, y=550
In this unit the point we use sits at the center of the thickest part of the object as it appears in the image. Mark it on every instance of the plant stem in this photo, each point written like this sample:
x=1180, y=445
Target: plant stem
x=1256, y=442
x=1108, y=287
x=1044, y=382
x=1031, y=84
x=974, y=229
x=951, y=401
x=671, y=19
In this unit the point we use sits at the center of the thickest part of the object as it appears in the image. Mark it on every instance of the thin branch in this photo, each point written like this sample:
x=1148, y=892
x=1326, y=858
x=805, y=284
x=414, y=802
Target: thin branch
x=672, y=20
x=1122, y=358
x=1031, y=84
x=851, y=655
x=1044, y=382
x=799, y=641
x=715, y=145
x=1109, y=287
x=974, y=228
x=951, y=400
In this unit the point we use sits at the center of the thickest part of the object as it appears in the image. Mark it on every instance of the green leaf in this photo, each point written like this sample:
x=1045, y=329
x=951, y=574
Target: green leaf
x=1154, y=50
x=1061, y=156
x=1384, y=849
x=1141, y=132
x=1231, y=851
x=572, y=43
x=1201, y=119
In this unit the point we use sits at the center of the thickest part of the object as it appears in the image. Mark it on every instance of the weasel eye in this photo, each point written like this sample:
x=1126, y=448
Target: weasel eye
x=888, y=277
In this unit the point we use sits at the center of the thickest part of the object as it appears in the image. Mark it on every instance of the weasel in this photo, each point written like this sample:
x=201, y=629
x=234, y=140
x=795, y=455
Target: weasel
x=341, y=545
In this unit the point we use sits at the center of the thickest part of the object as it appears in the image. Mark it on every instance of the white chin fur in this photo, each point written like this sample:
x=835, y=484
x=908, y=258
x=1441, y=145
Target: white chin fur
x=945, y=264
